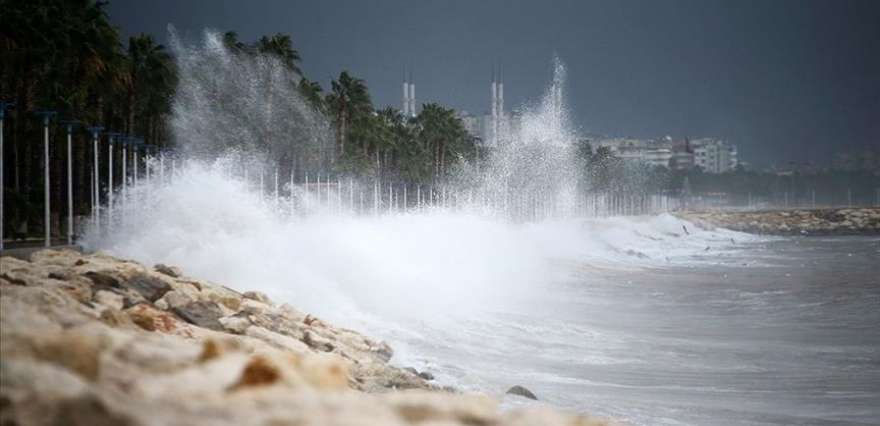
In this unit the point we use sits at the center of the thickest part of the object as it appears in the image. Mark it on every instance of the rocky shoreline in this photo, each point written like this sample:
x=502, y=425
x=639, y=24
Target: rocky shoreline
x=96, y=340
x=844, y=221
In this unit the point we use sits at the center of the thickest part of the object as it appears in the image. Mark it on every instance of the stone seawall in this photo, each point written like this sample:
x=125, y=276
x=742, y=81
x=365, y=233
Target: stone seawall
x=845, y=221
x=96, y=340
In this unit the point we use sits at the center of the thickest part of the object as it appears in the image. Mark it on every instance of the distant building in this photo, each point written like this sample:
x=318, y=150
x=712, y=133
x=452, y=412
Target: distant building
x=714, y=155
x=682, y=154
x=711, y=155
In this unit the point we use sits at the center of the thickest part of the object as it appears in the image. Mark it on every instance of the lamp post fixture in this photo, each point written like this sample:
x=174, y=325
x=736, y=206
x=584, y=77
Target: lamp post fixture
x=3, y=107
x=162, y=167
x=96, y=181
x=69, y=124
x=47, y=116
x=135, y=144
x=148, y=151
x=123, y=142
x=111, y=137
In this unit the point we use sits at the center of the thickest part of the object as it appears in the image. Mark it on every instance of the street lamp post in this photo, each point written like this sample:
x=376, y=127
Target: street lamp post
x=69, y=124
x=3, y=107
x=149, y=153
x=136, y=143
x=96, y=181
x=124, y=142
x=111, y=137
x=47, y=225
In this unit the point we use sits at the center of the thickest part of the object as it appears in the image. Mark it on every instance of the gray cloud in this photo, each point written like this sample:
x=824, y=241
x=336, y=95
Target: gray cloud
x=786, y=80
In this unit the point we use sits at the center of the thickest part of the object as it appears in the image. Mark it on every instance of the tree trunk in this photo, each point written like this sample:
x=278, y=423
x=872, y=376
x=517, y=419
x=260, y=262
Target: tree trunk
x=342, y=126
x=130, y=121
x=442, y=155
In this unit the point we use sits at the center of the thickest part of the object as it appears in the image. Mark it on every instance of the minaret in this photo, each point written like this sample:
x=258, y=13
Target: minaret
x=499, y=127
x=494, y=92
x=412, y=96
x=405, y=109
x=500, y=92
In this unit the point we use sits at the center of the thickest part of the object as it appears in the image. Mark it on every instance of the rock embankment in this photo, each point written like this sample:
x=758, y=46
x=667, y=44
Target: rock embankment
x=849, y=221
x=95, y=340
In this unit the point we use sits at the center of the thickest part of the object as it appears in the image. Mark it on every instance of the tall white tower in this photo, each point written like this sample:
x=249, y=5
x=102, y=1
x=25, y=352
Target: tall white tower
x=405, y=109
x=412, y=96
x=500, y=92
x=409, y=94
x=496, y=105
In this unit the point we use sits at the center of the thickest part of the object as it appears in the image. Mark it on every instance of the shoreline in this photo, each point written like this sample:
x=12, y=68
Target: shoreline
x=818, y=222
x=92, y=339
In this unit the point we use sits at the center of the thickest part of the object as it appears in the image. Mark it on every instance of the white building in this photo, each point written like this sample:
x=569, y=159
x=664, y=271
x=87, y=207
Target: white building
x=711, y=155
x=714, y=155
x=651, y=152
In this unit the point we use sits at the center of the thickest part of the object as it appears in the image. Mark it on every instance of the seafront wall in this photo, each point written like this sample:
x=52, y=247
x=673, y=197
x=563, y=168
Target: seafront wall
x=96, y=340
x=842, y=221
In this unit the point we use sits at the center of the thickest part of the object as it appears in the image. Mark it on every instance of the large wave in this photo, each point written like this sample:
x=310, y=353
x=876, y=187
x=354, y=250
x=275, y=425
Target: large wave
x=428, y=265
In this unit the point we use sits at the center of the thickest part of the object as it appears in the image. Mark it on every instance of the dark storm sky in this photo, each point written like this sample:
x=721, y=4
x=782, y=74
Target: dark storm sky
x=784, y=80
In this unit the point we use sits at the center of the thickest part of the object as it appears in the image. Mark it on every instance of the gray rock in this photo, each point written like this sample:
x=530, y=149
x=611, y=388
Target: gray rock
x=151, y=288
x=383, y=351
x=202, y=314
x=171, y=271
x=316, y=342
x=109, y=281
x=426, y=375
x=523, y=392
x=103, y=279
x=258, y=296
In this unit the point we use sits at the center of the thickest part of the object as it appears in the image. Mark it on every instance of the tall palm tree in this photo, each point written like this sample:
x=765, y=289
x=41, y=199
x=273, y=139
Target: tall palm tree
x=444, y=134
x=311, y=91
x=230, y=40
x=281, y=46
x=150, y=80
x=348, y=99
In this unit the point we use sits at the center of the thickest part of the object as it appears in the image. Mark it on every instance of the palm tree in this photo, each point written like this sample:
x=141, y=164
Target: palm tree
x=347, y=100
x=311, y=91
x=230, y=40
x=444, y=134
x=281, y=46
x=150, y=75
x=149, y=84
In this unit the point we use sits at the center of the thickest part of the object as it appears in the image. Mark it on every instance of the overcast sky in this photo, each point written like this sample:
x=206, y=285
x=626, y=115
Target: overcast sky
x=784, y=80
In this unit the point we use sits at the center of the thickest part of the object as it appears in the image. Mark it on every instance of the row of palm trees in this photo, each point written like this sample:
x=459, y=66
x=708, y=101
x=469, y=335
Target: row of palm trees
x=367, y=140
x=67, y=57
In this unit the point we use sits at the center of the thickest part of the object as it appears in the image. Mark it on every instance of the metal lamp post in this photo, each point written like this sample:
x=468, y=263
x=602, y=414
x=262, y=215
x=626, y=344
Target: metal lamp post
x=69, y=124
x=124, y=142
x=3, y=107
x=111, y=137
x=135, y=144
x=96, y=181
x=46, y=115
x=148, y=157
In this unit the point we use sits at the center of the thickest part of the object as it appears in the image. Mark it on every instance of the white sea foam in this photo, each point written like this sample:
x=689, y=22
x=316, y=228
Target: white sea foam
x=425, y=265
